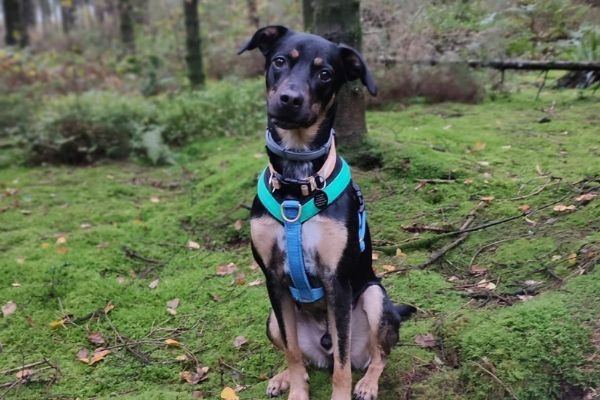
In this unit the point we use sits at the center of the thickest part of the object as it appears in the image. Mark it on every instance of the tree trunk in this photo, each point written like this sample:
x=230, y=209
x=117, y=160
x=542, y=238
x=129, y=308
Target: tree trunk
x=253, y=17
x=126, y=25
x=193, y=43
x=11, y=15
x=67, y=11
x=339, y=21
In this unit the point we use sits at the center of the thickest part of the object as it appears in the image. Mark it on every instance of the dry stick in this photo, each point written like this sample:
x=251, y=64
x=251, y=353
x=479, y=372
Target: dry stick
x=436, y=255
x=490, y=373
x=487, y=246
x=10, y=371
x=551, y=181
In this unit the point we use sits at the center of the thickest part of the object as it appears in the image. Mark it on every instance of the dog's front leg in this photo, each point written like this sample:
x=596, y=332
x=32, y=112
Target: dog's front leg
x=339, y=313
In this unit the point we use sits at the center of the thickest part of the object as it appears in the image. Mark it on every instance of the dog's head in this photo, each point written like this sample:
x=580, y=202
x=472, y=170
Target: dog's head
x=304, y=73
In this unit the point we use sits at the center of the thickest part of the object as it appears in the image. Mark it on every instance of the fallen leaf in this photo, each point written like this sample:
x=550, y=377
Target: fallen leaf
x=154, y=284
x=62, y=250
x=426, y=340
x=420, y=185
x=20, y=260
x=172, y=306
x=181, y=358
x=239, y=341
x=572, y=259
x=477, y=270
x=585, y=198
x=24, y=374
x=108, y=307
x=197, y=394
x=483, y=163
x=400, y=253
x=375, y=256
x=562, y=208
x=240, y=279
x=15, y=284
x=99, y=355
x=468, y=182
x=62, y=239
x=256, y=282
x=525, y=208
x=254, y=266
x=530, y=221
x=154, y=199
x=237, y=225
x=9, y=308
x=83, y=356
x=59, y=323
x=485, y=284
x=223, y=270
x=96, y=338
x=479, y=146
x=453, y=278
x=85, y=225
x=389, y=267
x=524, y=297
x=193, y=245
x=172, y=343
x=229, y=394
x=487, y=199
x=194, y=377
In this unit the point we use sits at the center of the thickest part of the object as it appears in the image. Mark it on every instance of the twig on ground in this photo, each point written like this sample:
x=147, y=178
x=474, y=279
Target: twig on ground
x=487, y=246
x=552, y=180
x=436, y=255
x=494, y=377
x=134, y=255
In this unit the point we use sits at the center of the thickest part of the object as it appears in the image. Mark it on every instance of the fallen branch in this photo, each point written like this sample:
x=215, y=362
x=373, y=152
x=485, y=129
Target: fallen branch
x=552, y=180
x=494, y=377
x=436, y=255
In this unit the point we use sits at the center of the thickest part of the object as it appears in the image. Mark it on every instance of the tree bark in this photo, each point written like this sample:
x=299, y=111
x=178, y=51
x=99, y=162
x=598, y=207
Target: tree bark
x=126, y=25
x=193, y=43
x=339, y=21
x=253, y=17
x=67, y=11
x=15, y=22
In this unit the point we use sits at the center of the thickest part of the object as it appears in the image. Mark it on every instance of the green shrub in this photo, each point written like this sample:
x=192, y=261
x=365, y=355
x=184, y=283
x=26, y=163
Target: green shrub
x=15, y=113
x=223, y=109
x=86, y=128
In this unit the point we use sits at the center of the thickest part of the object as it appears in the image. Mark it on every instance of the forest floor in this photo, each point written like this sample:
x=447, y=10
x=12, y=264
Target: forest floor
x=124, y=281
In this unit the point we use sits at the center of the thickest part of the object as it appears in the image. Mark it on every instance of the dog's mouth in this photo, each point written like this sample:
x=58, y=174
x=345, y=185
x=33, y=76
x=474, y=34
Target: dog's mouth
x=291, y=123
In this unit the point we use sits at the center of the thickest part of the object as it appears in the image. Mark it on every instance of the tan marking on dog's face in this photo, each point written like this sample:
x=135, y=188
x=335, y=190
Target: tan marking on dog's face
x=263, y=231
x=294, y=54
x=318, y=61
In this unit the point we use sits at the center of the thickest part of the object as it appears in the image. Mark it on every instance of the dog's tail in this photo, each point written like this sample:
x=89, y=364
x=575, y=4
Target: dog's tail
x=404, y=310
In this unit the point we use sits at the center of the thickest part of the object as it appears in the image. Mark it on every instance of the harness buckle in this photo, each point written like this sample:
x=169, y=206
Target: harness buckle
x=291, y=206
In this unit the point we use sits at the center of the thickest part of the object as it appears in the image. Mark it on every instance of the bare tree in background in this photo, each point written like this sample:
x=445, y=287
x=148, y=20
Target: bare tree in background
x=126, y=25
x=193, y=43
x=339, y=21
x=15, y=22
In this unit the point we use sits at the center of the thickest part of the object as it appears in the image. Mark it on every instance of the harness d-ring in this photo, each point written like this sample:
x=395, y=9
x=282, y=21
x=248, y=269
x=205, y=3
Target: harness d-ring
x=290, y=206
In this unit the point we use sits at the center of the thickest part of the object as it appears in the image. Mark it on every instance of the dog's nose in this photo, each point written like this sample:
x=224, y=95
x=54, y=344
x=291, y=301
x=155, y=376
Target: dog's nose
x=291, y=98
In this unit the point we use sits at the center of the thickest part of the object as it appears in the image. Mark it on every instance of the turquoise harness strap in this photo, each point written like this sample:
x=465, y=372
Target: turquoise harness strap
x=333, y=190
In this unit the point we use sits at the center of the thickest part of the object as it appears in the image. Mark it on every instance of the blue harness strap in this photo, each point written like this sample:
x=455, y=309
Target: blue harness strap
x=292, y=214
x=302, y=291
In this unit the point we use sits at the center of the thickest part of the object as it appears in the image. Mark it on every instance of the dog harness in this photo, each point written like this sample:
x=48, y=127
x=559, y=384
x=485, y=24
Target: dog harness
x=292, y=213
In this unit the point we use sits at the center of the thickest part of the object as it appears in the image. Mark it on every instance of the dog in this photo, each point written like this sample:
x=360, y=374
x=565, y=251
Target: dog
x=308, y=227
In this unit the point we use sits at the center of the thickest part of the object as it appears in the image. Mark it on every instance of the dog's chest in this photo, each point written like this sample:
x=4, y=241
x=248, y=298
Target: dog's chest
x=323, y=242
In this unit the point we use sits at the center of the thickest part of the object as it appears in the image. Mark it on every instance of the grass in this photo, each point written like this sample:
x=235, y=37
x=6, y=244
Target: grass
x=75, y=239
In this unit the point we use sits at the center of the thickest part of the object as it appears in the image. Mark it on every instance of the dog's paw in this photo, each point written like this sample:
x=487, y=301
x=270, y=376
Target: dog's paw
x=278, y=384
x=366, y=389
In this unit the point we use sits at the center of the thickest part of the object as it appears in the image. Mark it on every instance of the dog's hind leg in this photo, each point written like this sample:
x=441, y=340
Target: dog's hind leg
x=371, y=303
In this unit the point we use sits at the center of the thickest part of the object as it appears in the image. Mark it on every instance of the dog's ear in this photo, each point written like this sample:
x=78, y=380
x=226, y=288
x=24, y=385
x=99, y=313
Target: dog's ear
x=265, y=38
x=356, y=68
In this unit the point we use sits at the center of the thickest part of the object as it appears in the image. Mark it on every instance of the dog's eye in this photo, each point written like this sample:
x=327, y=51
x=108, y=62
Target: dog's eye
x=325, y=76
x=278, y=62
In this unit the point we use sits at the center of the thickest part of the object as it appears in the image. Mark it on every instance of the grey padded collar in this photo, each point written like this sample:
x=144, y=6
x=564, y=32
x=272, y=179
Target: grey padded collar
x=294, y=155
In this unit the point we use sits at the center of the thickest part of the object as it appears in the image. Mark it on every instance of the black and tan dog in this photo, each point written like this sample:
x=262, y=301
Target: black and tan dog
x=308, y=227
